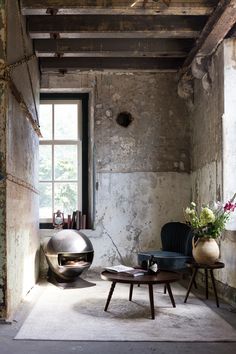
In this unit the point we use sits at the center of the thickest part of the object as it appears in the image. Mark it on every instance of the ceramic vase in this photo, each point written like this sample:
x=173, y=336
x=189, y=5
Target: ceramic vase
x=206, y=250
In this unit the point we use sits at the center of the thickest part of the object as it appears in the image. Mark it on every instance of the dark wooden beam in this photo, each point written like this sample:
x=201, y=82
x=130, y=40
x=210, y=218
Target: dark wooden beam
x=103, y=26
x=117, y=7
x=217, y=27
x=149, y=47
x=85, y=64
x=232, y=32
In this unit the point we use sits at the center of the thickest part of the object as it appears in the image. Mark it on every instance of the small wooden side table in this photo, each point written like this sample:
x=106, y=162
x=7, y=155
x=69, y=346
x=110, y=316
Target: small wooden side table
x=195, y=267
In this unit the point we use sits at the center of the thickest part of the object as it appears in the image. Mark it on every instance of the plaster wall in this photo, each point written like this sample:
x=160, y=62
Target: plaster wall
x=228, y=244
x=206, y=135
x=21, y=237
x=3, y=120
x=141, y=172
x=211, y=170
x=229, y=123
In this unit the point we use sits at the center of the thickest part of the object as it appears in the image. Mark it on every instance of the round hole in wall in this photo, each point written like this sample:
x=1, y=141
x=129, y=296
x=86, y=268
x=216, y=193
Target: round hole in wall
x=124, y=119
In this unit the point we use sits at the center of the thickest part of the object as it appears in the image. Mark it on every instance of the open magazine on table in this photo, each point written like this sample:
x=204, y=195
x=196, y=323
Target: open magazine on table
x=124, y=270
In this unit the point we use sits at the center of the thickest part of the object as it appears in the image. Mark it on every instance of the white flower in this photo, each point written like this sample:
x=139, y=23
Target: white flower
x=188, y=211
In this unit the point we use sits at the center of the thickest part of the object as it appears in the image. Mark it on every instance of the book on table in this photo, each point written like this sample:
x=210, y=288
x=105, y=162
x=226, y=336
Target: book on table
x=124, y=270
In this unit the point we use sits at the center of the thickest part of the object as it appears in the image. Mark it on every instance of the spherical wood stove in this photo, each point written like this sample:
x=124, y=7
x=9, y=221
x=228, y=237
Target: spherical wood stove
x=68, y=254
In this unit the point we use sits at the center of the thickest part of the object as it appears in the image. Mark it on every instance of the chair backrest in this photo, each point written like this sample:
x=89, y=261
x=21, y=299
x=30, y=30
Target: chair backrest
x=177, y=237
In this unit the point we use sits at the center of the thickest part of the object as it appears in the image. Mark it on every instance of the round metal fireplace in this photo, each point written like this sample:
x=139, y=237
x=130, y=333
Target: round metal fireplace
x=68, y=254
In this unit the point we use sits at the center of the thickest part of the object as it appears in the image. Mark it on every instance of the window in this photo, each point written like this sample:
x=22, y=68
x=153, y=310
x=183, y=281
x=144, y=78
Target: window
x=62, y=157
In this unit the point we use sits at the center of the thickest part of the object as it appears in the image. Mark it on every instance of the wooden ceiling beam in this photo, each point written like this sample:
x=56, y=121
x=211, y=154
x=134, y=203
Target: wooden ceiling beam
x=232, y=32
x=115, y=7
x=215, y=30
x=99, y=26
x=95, y=64
x=109, y=48
x=125, y=34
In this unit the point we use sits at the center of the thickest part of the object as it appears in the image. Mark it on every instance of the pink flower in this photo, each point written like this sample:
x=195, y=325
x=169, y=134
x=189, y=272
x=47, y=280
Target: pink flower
x=229, y=206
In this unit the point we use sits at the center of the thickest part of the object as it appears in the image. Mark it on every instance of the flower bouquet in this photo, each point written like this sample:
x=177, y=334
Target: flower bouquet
x=210, y=221
x=207, y=225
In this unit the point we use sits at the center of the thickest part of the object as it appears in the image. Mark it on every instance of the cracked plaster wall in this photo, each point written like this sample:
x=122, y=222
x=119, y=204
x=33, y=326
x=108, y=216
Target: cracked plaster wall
x=3, y=98
x=228, y=243
x=142, y=172
x=206, y=136
x=208, y=118
x=19, y=212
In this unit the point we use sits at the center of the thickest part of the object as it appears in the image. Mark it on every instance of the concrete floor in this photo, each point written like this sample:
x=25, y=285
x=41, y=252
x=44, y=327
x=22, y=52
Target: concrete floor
x=9, y=345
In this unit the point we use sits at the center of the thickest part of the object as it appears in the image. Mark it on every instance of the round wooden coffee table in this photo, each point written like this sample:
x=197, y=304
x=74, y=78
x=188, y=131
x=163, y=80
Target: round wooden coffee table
x=160, y=278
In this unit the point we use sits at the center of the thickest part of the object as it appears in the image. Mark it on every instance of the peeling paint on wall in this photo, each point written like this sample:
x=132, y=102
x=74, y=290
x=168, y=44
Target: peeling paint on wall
x=142, y=171
x=19, y=241
x=22, y=174
x=3, y=271
x=2, y=249
x=207, y=163
x=131, y=209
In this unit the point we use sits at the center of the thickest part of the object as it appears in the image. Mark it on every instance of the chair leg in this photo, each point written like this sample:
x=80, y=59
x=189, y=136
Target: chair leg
x=165, y=289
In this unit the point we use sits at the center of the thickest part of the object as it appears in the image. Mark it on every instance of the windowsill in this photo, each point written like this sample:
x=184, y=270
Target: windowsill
x=49, y=226
x=50, y=232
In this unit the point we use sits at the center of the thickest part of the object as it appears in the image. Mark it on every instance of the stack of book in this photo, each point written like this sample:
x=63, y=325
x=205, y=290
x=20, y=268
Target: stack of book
x=77, y=221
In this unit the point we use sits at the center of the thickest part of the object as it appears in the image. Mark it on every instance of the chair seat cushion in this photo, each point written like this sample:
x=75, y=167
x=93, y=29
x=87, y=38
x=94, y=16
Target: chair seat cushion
x=165, y=260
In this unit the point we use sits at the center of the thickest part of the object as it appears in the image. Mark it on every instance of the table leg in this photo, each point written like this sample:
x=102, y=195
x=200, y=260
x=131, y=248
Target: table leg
x=214, y=287
x=165, y=289
x=194, y=282
x=170, y=294
x=110, y=295
x=151, y=300
x=190, y=284
x=206, y=281
x=131, y=291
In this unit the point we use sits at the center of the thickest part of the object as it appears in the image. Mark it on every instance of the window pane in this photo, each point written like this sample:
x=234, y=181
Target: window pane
x=45, y=112
x=66, y=199
x=45, y=162
x=65, y=162
x=66, y=121
x=45, y=200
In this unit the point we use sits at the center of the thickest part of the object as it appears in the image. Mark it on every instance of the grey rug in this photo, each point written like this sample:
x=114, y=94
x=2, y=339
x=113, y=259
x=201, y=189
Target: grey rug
x=78, y=314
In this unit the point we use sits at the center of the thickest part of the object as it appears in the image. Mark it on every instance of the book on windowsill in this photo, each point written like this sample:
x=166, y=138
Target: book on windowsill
x=124, y=270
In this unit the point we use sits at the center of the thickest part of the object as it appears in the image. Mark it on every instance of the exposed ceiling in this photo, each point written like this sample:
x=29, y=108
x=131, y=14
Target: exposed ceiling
x=126, y=35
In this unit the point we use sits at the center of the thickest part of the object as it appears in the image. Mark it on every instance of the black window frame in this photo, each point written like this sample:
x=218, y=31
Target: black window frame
x=84, y=97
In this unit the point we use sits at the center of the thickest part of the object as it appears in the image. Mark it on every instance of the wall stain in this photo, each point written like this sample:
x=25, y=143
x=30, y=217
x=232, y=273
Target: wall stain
x=3, y=253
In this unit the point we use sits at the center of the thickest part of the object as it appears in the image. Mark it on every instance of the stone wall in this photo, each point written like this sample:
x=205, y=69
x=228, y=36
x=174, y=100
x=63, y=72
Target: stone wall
x=142, y=172
x=19, y=212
